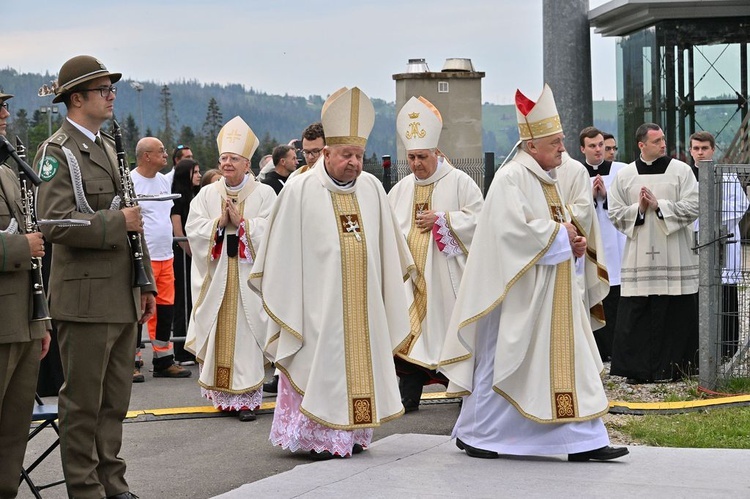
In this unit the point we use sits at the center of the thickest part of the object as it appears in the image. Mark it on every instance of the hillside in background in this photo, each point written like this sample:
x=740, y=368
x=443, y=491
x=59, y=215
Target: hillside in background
x=274, y=118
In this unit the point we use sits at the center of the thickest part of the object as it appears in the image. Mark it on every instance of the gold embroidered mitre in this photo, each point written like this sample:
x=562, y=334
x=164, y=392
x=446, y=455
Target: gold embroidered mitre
x=347, y=117
x=419, y=124
x=237, y=137
x=537, y=119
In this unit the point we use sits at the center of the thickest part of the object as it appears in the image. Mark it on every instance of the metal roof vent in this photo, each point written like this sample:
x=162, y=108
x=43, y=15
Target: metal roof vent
x=458, y=64
x=417, y=66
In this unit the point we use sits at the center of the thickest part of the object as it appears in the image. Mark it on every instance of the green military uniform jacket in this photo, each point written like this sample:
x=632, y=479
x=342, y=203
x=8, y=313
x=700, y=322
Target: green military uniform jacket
x=15, y=264
x=91, y=278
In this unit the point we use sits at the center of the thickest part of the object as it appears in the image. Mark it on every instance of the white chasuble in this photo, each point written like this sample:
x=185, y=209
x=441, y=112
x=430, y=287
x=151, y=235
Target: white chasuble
x=658, y=259
x=227, y=326
x=331, y=273
x=575, y=187
x=434, y=291
x=545, y=363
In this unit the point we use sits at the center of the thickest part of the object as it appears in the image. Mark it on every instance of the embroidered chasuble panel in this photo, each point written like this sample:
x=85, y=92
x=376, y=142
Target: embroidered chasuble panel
x=419, y=242
x=226, y=329
x=226, y=323
x=359, y=374
x=562, y=343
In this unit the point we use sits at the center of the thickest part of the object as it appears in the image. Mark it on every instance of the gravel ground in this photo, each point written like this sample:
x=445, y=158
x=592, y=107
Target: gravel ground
x=618, y=390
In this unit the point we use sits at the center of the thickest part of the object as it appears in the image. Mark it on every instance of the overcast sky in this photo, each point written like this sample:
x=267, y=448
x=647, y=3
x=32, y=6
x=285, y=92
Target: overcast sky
x=293, y=47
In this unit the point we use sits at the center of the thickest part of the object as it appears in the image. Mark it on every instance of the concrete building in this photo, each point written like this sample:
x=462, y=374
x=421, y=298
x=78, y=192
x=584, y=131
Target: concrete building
x=456, y=91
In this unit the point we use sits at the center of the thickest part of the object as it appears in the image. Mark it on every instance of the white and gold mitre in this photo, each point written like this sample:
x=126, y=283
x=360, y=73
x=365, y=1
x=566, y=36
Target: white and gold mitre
x=540, y=119
x=419, y=124
x=347, y=117
x=237, y=137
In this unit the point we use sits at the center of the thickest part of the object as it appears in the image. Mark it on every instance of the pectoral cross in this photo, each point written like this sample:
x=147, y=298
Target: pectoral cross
x=557, y=213
x=352, y=226
x=653, y=253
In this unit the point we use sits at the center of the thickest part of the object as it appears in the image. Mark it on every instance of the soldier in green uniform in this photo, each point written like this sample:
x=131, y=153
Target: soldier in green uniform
x=91, y=280
x=22, y=341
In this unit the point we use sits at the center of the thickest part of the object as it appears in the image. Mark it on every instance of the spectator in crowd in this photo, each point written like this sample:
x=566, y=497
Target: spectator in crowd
x=151, y=157
x=285, y=162
x=186, y=183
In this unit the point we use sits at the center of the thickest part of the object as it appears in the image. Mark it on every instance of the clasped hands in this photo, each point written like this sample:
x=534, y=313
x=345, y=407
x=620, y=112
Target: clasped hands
x=577, y=243
x=646, y=200
x=230, y=214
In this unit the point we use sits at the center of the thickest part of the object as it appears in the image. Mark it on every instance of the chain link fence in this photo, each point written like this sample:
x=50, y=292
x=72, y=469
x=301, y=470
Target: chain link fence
x=724, y=297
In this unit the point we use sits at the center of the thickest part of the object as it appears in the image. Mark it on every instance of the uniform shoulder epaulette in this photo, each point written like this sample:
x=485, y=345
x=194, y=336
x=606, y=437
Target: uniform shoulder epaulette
x=107, y=135
x=58, y=138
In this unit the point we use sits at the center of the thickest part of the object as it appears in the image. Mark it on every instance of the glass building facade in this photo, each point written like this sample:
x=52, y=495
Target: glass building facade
x=685, y=75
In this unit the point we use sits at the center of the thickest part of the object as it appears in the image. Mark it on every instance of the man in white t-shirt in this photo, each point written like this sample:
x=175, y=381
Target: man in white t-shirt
x=157, y=229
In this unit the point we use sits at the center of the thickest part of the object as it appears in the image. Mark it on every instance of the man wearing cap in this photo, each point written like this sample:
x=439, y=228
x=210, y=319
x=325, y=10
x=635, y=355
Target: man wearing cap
x=22, y=342
x=519, y=346
x=226, y=223
x=330, y=272
x=436, y=208
x=654, y=202
x=92, y=296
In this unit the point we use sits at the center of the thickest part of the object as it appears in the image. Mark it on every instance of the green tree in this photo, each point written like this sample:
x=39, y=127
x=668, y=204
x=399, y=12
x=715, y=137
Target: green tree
x=167, y=110
x=211, y=126
x=20, y=127
x=130, y=135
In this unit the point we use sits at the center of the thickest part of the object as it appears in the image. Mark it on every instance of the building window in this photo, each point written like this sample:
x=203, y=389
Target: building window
x=443, y=87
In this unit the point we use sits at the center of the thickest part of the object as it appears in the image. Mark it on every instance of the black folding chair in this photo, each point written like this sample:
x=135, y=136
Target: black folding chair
x=45, y=416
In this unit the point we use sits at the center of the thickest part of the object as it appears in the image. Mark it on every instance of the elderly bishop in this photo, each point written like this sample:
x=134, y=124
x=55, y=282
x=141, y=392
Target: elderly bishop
x=226, y=223
x=519, y=346
x=436, y=208
x=331, y=273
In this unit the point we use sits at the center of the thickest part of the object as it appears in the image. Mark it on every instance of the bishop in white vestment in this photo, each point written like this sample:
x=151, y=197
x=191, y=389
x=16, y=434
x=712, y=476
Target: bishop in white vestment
x=519, y=346
x=436, y=208
x=330, y=272
x=225, y=226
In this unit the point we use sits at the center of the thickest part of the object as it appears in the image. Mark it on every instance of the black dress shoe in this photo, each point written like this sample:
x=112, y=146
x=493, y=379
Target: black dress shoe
x=272, y=386
x=475, y=452
x=357, y=449
x=247, y=415
x=321, y=456
x=604, y=454
x=410, y=405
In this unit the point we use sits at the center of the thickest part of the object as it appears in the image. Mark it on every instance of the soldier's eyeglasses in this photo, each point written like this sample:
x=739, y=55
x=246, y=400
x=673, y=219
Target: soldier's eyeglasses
x=103, y=91
x=5, y=106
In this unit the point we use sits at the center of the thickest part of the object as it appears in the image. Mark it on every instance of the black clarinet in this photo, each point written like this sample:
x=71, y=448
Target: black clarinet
x=39, y=309
x=140, y=279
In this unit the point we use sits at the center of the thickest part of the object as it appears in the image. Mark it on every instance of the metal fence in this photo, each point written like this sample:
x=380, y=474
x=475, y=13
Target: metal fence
x=724, y=297
x=474, y=167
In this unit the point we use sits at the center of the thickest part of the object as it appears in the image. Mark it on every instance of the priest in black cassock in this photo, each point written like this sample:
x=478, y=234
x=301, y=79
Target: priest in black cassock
x=602, y=173
x=654, y=202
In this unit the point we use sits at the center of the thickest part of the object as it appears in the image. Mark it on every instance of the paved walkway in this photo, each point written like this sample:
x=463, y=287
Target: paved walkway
x=414, y=465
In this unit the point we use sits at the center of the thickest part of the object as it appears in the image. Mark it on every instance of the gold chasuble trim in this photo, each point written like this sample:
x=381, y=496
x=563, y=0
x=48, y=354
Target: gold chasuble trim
x=562, y=342
x=419, y=242
x=359, y=376
x=226, y=329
